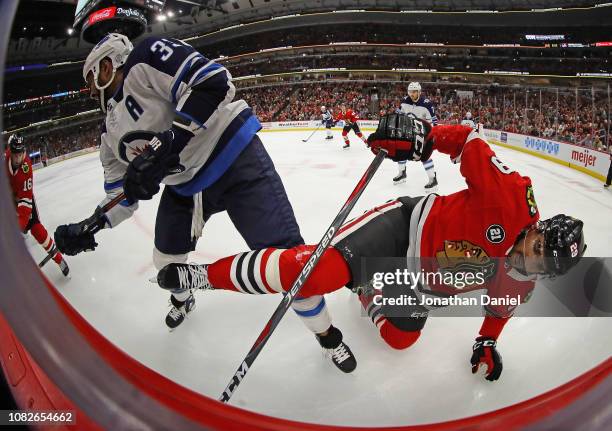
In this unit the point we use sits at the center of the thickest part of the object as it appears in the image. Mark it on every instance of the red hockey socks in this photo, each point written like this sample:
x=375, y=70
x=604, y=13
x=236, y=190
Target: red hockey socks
x=393, y=336
x=42, y=236
x=273, y=270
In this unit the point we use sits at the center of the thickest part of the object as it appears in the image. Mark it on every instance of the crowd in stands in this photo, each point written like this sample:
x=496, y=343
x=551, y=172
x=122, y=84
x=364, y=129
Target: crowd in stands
x=64, y=140
x=580, y=118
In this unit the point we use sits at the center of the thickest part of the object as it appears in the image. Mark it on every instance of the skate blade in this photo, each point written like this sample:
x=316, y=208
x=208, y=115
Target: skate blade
x=153, y=280
x=395, y=183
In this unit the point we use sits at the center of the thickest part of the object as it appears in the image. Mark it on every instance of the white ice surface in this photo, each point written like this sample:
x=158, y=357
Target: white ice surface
x=429, y=382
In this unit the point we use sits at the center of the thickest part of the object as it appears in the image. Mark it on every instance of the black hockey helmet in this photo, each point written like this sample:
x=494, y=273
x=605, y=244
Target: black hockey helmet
x=563, y=243
x=16, y=143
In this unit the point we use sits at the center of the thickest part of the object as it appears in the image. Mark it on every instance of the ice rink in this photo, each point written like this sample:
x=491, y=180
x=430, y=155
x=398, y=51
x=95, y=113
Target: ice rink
x=429, y=382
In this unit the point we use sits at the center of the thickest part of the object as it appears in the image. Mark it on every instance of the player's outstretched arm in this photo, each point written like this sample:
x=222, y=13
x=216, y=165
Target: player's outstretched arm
x=75, y=238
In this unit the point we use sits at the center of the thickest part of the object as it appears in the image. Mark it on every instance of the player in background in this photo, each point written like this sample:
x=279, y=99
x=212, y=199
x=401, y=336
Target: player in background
x=496, y=216
x=205, y=151
x=19, y=169
x=467, y=121
x=328, y=120
x=350, y=123
x=422, y=108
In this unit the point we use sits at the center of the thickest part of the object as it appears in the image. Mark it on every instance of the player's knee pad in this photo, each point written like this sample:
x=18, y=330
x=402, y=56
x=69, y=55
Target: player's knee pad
x=313, y=312
x=41, y=235
x=397, y=338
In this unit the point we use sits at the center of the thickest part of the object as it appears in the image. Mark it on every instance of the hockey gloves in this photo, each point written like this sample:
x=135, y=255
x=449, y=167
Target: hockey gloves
x=485, y=353
x=74, y=238
x=147, y=170
x=404, y=136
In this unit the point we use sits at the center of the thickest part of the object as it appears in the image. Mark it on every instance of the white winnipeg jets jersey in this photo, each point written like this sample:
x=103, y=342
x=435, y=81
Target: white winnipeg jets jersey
x=168, y=84
x=423, y=108
x=326, y=116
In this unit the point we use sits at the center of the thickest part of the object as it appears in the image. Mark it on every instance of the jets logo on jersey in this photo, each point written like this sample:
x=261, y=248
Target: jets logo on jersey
x=496, y=233
x=134, y=143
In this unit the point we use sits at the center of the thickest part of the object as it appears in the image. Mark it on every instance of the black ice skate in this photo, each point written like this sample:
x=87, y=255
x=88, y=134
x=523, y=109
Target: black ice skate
x=179, y=277
x=329, y=137
x=400, y=178
x=346, y=146
x=179, y=311
x=337, y=350
x=432, y=183
x=606, y=186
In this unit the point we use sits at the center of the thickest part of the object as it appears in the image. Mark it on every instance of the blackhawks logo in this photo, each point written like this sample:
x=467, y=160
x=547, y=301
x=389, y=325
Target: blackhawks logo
x=25, y=168
x=464, y=257
x=531, y=203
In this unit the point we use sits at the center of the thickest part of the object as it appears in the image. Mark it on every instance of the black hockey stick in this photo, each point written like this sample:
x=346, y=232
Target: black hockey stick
x=282, y=308
x=48, y=257
x=313, y=132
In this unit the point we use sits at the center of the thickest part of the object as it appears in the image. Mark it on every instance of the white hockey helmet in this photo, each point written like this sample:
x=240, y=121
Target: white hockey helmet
x=323, y=108
x=414, y=86
x=114, y=46
x=468, y=115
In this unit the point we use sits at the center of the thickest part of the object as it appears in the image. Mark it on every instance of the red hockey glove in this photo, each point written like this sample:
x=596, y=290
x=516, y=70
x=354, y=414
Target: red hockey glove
x=404, y=136
x=485, y=353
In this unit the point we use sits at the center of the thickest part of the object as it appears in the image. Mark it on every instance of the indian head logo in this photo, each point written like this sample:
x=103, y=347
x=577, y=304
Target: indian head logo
x=465, y=257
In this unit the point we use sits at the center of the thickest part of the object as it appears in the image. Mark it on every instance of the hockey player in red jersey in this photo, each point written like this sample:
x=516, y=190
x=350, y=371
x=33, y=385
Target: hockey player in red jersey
x=19, y=168
x=495, y=217
x=350, y=123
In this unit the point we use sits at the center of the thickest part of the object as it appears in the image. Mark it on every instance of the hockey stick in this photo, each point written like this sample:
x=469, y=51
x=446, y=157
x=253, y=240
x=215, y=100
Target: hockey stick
x=313, y=132
x=47, y=258
x=282, y=308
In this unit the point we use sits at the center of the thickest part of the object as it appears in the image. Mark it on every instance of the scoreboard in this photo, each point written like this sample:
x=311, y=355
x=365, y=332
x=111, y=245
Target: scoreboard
x=96, y=18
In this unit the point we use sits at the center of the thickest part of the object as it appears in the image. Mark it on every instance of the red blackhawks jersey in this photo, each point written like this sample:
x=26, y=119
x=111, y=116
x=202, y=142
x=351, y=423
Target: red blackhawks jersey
x=349, y=117
x=21, y=185
x=465, y=230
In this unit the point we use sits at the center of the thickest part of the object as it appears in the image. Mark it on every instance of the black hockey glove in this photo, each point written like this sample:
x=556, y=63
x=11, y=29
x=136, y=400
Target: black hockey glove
x=74, y=238
x=485, y=353
x=146, y=172
x=403, y=136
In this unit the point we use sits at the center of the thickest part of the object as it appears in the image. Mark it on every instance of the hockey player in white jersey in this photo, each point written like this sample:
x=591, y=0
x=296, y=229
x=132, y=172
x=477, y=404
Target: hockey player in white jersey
x=327, y=119
x=467, y=121
x=422, y=108
x=203, y=146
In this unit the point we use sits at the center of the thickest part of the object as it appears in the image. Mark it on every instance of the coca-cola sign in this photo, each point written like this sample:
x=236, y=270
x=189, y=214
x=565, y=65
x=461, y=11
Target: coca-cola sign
x=102, y=14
